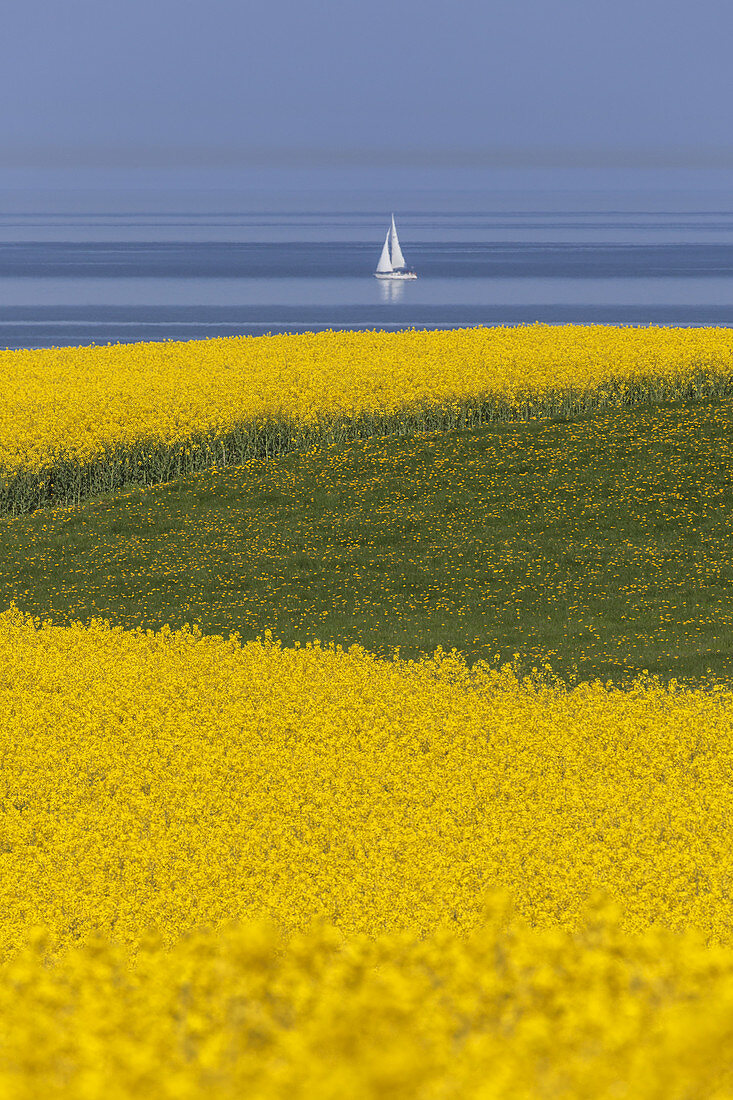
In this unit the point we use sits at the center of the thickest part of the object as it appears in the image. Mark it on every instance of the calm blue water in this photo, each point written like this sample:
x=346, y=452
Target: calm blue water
x=75, y=279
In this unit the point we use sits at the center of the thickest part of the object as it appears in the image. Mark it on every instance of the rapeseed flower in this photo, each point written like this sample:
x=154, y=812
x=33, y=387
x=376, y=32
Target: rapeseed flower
x=247, y=870
x=79, y=421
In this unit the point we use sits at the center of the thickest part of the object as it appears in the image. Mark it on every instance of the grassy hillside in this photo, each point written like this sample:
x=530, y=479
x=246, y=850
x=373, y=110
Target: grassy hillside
x=601, y=544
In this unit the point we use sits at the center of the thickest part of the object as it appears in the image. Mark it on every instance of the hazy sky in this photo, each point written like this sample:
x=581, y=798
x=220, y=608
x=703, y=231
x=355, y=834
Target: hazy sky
x=425, y=82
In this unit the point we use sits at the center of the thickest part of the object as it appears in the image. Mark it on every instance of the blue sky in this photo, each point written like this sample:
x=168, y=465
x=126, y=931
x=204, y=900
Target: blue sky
x=208, y=93
x=509, y=82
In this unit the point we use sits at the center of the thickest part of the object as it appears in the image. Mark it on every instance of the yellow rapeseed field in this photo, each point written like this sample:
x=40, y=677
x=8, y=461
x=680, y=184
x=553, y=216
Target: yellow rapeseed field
x=247, y=870
x=76, y=421
x=508, y=1011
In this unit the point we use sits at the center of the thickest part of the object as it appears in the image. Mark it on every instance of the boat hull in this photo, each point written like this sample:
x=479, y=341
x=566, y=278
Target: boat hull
x=395, y=275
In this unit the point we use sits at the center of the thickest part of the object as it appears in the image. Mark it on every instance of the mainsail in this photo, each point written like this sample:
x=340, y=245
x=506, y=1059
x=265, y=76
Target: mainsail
x=385, y=264
x=398, y=260
x=392, y=264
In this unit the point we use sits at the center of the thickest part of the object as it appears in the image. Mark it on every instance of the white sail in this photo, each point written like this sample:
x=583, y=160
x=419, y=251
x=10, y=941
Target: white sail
x=392, y=263
x=398, y=260
x=385, y=264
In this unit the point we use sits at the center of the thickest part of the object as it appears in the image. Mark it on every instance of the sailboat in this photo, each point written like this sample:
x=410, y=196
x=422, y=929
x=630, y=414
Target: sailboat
x=392, y=263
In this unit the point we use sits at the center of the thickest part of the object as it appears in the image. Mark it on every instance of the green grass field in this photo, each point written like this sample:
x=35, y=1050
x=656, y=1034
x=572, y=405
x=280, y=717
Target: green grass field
x=601, y=544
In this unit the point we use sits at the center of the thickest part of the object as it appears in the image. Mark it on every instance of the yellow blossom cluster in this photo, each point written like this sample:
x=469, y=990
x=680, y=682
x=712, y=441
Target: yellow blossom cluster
x=78, y=421
x=248, y=870
x=507, y=1011
x=174, y=780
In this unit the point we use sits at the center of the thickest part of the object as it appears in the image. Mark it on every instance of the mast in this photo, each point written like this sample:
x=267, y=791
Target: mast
x=398, y=260
x=385, y=264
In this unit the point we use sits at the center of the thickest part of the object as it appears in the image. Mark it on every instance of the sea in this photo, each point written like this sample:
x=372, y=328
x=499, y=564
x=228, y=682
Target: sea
x=150, y=273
